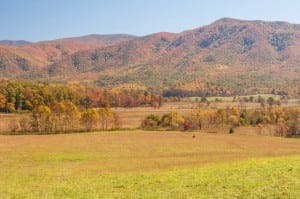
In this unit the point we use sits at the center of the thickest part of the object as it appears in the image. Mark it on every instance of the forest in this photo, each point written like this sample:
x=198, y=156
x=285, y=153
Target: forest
x=18, y=96
x=48, y=108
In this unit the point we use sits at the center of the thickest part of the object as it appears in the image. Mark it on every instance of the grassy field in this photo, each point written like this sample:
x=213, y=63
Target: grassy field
x=137, y=164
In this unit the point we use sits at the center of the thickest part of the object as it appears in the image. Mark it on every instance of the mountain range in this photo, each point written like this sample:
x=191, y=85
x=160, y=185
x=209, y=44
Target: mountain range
x=14, y=42
x=256, y=56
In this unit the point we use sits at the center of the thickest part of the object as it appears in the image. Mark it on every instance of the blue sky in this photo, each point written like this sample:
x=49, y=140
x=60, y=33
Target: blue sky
x=36, y=20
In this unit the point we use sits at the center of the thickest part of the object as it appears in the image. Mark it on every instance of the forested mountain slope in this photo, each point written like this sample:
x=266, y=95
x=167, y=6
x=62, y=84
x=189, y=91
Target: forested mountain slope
x=231, y=54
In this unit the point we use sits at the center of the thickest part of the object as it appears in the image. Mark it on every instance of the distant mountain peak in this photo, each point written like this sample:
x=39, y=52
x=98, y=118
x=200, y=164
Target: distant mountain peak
x=229, y=20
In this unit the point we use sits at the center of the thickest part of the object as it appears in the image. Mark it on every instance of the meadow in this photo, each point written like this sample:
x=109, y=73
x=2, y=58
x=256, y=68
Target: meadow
x=145, y=164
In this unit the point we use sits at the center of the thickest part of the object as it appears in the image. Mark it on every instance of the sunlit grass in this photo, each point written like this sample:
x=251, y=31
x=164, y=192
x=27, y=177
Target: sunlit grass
x=255, y=178
x=149, y=165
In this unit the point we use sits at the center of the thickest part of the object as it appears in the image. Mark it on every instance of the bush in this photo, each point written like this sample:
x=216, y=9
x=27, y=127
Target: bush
x=151, y=122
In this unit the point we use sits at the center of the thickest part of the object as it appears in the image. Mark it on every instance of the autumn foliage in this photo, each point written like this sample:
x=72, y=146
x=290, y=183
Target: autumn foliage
x=285, y=120
x=16, y=96
x=65, y=108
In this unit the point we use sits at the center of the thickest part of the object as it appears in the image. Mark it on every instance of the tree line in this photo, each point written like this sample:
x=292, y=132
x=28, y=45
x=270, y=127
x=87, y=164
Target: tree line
x=63, y=117
x=285, y=120
x=50, y=108
x=17, y=96
x=213, y=89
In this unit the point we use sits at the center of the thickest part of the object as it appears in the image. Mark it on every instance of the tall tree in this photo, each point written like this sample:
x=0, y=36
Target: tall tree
x=89, y=119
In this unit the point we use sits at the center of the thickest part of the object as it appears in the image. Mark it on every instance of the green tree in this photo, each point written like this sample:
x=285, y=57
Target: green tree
x=151, y=122
x=271, y=101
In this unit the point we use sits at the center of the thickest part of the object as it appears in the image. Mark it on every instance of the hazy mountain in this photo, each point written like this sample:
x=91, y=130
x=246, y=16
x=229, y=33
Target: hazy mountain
x=14, y=42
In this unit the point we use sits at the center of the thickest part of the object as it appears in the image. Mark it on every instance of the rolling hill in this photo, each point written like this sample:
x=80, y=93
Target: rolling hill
x=249, y=56
x=32, y=60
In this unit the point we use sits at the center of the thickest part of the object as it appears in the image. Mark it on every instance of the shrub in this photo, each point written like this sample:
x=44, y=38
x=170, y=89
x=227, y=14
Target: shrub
x=151, y=122
x=172, y=120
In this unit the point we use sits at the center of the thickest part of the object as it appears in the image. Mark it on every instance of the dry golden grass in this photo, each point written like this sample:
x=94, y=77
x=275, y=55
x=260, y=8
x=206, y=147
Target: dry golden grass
x=7, y=121
x=132, y=117
x=136, y=150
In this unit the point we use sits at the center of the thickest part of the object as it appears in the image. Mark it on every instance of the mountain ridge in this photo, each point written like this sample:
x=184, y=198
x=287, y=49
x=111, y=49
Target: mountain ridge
x=262, y=55
x=14, y=42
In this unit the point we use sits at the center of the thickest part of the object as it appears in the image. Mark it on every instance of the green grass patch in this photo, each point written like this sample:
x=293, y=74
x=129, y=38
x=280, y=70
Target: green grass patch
x=253, y=178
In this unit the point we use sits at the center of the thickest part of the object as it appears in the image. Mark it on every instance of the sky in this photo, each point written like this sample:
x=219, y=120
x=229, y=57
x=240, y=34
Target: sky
x=36, y=20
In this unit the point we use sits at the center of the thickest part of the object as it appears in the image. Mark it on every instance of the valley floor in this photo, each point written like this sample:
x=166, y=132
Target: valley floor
x=139, y=164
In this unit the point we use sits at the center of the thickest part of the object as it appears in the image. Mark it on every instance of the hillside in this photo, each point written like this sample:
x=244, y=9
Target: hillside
x=32, y=60
x=255, y=56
